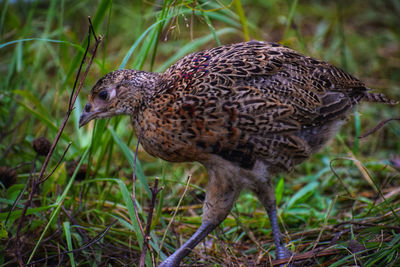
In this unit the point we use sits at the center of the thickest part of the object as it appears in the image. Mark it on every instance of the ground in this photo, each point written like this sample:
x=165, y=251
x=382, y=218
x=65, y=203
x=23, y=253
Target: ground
x=344, y=199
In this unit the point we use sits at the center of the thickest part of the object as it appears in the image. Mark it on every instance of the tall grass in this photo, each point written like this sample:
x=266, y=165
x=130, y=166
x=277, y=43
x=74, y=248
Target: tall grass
x=41, y=45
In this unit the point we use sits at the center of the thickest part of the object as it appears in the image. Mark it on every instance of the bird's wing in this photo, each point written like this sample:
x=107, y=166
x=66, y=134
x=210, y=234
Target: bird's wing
x=266, y=87
x=251, y=99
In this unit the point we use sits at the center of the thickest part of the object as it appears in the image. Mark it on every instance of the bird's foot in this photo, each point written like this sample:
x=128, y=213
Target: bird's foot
x=283, y=253
x=166, y=264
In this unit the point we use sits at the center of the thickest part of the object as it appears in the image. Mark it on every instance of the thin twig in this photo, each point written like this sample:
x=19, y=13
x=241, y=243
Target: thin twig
x=81, y=232
x=174, y=214
x=21, y=219
x=377, y=127
x=5, y=133
x=71, y=97
x=391, y=227
x=337, y=176
x=98, y=40
x=306, y=256
x=134, y=185
x=75, y=93
x=20, y=195
x=72, y=219
x=36, y=184
x=325, y=222
x=96, y=239
x=154, y=191
x=58, y=164
x=36, y=181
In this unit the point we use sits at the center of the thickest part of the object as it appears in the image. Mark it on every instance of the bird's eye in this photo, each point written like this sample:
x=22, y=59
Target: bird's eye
x=103, y=95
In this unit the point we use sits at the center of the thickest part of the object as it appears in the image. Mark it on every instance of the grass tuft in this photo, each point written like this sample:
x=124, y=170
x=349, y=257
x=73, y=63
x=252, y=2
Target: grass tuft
x=344, y=199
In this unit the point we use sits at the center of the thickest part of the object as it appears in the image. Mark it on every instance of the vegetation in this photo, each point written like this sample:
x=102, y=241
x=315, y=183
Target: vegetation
x=339, y=208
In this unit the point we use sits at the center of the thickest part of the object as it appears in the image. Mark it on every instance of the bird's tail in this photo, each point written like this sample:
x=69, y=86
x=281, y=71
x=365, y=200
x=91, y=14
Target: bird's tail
x=378, y=98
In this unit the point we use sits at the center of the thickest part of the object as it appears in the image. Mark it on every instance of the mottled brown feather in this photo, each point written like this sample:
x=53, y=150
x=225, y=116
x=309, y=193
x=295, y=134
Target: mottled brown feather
x=244, y=111
x=245, y=102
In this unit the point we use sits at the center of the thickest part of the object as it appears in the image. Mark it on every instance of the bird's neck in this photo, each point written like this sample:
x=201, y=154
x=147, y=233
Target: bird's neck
x=137, y=92
x=147, y=83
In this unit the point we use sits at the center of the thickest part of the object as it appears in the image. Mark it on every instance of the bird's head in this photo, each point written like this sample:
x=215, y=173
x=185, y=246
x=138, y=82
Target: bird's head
x=118, y=92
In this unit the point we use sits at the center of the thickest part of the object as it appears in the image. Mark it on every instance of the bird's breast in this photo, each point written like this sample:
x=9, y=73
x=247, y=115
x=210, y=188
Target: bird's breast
x=166, y=137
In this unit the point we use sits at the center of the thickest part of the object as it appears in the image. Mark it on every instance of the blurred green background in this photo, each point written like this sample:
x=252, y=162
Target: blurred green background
x=41, y=46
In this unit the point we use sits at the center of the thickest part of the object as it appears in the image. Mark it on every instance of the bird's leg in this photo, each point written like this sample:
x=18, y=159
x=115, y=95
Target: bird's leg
x=174, y=260
x=220, y=197
x=266, y=194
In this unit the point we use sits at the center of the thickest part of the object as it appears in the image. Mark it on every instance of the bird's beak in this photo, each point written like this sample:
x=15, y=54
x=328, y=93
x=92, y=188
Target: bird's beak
x=87, y=115
x=85, y=118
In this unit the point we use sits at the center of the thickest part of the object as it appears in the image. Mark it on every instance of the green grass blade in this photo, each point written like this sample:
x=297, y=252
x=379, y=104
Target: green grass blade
x=302, y=194
x=243, y=20
x=100, y=13
x=290, y=17
x=67, y=232
x=34, y=100
x=126, y=195
x=130, y=156
x=280, y=186
x=45, y=120
x=73, y=66
x=357, y=127
x=3, y=16
x=136, y=43
x=211, y=27
x=42, y=40
x=58, y=204
x=191, y=46
x=17, y=213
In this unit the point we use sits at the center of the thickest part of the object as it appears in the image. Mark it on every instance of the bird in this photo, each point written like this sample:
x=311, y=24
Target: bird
x=246, y=111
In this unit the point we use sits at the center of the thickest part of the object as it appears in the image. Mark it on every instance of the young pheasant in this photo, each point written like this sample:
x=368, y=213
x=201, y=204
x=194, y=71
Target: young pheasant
x=245, y=111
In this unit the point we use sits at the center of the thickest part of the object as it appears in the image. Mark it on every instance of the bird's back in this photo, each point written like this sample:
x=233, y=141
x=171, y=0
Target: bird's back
x=247, y=102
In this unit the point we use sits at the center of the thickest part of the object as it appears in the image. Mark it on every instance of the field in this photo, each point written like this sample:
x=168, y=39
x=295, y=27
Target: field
x=73, y=206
